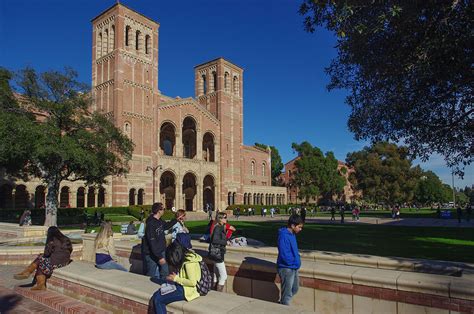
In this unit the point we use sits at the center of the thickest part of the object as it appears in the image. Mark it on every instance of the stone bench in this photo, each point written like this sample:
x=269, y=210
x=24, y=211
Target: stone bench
x=123, y=292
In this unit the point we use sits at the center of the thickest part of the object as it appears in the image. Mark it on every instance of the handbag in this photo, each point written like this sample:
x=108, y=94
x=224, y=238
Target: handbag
x=215, y=252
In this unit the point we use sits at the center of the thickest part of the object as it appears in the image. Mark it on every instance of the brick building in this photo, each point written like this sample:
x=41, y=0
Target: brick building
x=349, y=195
x=189, y=152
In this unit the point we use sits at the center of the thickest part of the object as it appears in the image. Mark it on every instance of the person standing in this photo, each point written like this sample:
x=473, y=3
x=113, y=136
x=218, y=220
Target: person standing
x=341, y=213
x=217, y=250
x=154, y=243
x=459, y=212
x=288, y=261
x=333, y=213
x=237, y=213
x=303, y=214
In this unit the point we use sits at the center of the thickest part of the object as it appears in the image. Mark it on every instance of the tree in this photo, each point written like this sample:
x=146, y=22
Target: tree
x=316, y=174
x=277, y=164
x=64, y=140
x=408, y=68
x=383, y=173
x=429, y=189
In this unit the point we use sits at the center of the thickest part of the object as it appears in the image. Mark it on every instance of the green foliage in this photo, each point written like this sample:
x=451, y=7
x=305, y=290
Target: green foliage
x=430, y=189
x=408, y=68
x=383, y=173
x=316, y=174
x=67, y=141
x=277, y=164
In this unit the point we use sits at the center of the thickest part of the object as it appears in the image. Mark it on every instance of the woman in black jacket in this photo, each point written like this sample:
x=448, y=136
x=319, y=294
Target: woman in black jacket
x=217, y=249
x=57, y=253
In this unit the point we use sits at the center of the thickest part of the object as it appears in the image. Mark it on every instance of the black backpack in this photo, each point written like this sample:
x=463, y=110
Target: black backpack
x=205, y=283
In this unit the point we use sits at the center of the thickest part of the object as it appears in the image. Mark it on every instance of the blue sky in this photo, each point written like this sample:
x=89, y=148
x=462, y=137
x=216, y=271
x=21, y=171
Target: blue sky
x=285, y=96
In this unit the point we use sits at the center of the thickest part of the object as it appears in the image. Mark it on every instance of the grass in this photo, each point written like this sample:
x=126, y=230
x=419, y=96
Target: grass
x=451, y=244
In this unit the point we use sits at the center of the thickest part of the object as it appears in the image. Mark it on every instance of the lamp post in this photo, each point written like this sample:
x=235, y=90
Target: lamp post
x=153, y=171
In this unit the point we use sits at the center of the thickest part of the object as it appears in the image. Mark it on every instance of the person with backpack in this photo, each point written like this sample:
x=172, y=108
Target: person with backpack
x=220, y=232
x=191, y=279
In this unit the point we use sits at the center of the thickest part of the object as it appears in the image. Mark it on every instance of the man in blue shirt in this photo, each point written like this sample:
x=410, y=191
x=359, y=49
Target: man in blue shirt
x=289, y=261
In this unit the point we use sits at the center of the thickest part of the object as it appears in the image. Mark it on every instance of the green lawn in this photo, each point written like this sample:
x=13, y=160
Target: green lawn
x=451, y=244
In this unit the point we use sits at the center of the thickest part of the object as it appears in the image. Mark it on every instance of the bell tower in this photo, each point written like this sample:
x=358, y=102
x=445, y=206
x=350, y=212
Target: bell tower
x=125, y=80
x=219, y=88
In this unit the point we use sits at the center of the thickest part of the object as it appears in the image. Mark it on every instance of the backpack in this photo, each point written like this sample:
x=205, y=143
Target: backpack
x=205, y=283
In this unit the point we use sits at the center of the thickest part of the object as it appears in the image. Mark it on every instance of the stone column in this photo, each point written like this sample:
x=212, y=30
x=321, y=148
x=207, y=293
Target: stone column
x=96, y=198
x=179, y=144
x=179, y=193
x=86, y=198
x=199, y=144
x=72, y=198
x=200, y=200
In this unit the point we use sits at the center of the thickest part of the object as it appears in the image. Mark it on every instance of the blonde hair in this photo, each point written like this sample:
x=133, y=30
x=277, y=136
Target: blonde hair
x=180, y=212
x=104, y=234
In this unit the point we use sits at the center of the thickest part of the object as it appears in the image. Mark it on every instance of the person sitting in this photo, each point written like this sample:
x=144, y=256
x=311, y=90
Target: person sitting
x=105, y=255
x=181, y=285
x=131, y=229
x=25, y=219
x=57, y=253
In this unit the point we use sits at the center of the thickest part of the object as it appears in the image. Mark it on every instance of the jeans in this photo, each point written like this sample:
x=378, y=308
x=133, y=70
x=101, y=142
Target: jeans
x=154, y=269
x=289, y=284
x=219, y=268
x=111, y=265
x=160, y=301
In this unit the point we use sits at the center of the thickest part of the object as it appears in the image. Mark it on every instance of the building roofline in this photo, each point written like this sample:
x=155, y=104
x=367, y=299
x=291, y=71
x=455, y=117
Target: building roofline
x=216, y=59
x=121, y=4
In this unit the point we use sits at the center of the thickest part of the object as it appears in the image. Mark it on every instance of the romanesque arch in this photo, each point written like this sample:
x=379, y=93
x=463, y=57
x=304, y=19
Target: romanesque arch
x=208, y=147
x=101, y=197
x=80, y=198
x=208, y=192
x=140, y=197
x=64, y=197
x=131, y=196
x=40, y=196
x=91, y=197
x=189, y=132
x=167, y=138
x=189, y=191
x=21, y=197
x=168, y=188
x=6, y=196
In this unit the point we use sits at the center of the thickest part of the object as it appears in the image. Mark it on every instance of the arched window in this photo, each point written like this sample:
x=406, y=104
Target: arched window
x=167, y=139
x=128, y=29
x=137, y=40
x=204, y=84
x=147, y=44
x=189, y=137
x=252, y=168
x=99, y=46
x=106, y=42
x=214, y=78
x=263, y=169
x=208, y=147
x=226, y=81
x=236, y=85
x=112, y=37
x=229, y=198
x=127, y=129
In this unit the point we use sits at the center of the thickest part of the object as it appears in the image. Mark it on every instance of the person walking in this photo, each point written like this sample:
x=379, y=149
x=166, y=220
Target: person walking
x=303, y=214
x=237, y=213
x=105, y=254
x=288, y=261
x=57, y=253
x=333, y=213
x=217, y=250
x=341, y=213
x=154, y=243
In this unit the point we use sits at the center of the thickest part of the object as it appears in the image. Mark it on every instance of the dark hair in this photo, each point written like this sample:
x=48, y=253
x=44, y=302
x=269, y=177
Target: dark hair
x=55, y=233
x=156, y=207
x=175, y=254
x=295, y=219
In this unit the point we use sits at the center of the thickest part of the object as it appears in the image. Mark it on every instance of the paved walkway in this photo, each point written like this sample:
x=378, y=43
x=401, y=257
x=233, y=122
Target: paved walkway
x=414, y=222
x=17, y=299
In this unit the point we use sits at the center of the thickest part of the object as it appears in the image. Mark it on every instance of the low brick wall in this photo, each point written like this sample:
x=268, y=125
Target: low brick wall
x=24, y=255
x=333, y=285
